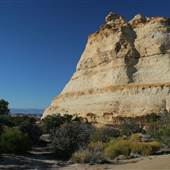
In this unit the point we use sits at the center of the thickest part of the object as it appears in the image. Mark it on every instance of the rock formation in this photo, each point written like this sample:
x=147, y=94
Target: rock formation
x=123, y=71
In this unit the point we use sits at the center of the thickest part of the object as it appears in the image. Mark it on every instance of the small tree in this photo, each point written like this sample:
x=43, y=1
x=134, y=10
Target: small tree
x=70, y=137
x=104, y=134
x=51, y=122
x=4, y=107
x=14, y=141
x=129, y=127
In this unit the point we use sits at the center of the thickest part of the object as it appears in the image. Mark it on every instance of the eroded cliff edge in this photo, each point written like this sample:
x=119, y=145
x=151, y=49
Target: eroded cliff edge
x=123, y=71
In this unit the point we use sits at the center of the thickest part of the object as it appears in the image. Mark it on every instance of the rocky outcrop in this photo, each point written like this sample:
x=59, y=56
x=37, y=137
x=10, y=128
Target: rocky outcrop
x=123, y=71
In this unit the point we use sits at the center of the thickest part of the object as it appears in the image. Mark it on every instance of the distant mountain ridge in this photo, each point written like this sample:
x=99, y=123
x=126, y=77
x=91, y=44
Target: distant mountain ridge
x=26, y=111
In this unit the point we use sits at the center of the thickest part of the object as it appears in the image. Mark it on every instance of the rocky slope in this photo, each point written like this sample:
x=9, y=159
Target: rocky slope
x=123, y=71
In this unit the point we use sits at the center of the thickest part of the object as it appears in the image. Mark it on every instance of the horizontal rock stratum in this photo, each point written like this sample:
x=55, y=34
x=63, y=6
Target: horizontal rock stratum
x=123, y=71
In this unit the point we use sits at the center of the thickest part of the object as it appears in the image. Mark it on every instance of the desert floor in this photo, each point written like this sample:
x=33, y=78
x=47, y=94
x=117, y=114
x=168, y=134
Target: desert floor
x=42, y=160
x=149, y=163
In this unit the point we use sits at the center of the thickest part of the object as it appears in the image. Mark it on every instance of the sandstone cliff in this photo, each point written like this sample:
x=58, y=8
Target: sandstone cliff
x=123, y=71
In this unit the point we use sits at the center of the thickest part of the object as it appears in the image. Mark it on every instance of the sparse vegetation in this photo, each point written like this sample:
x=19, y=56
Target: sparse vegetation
x=117, y=147
x=12, y=140
x=26, y=124
x=86, y=156
x=104, y=134
x=4, y=107
x=129, y=126
x=141, y=148
x=71, y=137
x=160, y=129
x=82, y=156
x=32, y=130
x=94, y=153
x=51, y=122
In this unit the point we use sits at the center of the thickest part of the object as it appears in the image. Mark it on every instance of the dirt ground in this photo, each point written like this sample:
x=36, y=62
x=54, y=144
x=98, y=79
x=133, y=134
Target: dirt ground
x=42, y=160
x=149, y=163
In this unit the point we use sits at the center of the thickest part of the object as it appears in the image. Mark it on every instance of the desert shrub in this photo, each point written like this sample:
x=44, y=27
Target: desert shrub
x=164, y=137
x=25, y=123
x=32, y=130
x=13, y=140
x=98, y=158
x=96, y=146
x=136, y=147
x=20, y=120
x=117, y=147
x=104, y=134
x=1, y=129
x=160, y=129
x=129, y=127
x=4, y=107
x=6, y=120
x=141, y=148
x=70, y=137
x=155, y=145
x=163, y=134
x=12, y=121
x=136, y=137
x=152, y=118
x=97, y=152
x=51, y=122
x=82, y=156
x=132, y=145
x=87, y=156
x=144, y=148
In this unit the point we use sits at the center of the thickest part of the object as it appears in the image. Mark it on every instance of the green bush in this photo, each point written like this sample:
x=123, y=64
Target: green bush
x=128, y=127
x=25, y=123
x=86, y=156
x=13, y=140
x=160, y=129
x=163, y=135
x=155, y=145
x=4, y=107
x=104, y=134
x=32, y=130
x=12, y=121
x=20, y=120
x=117, y=147
x=136, y=147
x=136, y=137
x=152, y=118
x=70, y=137
x=96, y=146
x=6, y=120
x=133, y=145
x=141, y=148
x=144, y=148
x=83, y=156
x=51, y=122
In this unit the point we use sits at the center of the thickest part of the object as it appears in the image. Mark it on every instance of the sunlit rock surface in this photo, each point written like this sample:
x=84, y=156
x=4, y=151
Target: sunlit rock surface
x=123, y=71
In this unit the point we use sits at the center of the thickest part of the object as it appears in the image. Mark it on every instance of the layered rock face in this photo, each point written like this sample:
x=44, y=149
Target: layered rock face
x=123, y=71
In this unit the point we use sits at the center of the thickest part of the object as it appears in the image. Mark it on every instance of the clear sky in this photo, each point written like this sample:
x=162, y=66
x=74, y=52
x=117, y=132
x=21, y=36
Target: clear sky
x=41, y=42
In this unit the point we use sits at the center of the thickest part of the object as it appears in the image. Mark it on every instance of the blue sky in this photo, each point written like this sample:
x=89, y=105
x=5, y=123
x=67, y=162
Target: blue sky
x=41, y=42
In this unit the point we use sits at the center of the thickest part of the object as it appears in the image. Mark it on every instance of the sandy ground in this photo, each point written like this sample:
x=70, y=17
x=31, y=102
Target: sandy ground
x=149, y=163
x=38, y=160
